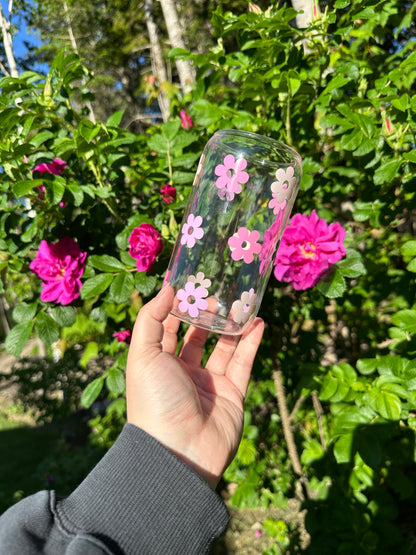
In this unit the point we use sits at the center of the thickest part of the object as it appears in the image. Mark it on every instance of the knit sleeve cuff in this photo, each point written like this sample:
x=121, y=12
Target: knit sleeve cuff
x=140, y=498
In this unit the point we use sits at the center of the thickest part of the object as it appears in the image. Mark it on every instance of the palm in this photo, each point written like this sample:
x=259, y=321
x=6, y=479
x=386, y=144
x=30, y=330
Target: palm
x=195, y=412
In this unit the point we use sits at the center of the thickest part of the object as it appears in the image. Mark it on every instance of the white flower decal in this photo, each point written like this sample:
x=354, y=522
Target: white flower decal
x=200, y=279
x=245, y=307
x=282, y=189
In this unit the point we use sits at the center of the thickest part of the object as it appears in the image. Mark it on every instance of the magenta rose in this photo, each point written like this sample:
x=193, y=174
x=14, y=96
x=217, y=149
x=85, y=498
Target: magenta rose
x=123, y=336
x=186, y=120
x=56, y=167
x=169, y=193
x=308, y=248
x=145, y=245
x=60, y=266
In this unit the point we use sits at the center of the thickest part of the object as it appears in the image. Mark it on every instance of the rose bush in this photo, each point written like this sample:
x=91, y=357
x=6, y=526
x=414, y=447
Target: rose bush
x=342, y=95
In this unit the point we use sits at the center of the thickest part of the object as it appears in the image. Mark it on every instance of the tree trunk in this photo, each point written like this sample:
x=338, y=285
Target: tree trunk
x=158, y=64
x=8, y=41
x=185, y=70
x=75, y=48
x=303, y=19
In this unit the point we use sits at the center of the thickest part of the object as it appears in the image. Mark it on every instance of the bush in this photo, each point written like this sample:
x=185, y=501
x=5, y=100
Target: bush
x=340, y=92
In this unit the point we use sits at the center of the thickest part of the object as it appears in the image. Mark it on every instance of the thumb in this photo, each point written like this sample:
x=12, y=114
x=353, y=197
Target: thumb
x=148, y=330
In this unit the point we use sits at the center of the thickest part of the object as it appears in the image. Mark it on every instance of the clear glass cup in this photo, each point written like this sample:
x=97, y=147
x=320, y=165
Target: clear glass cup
x=242, y=196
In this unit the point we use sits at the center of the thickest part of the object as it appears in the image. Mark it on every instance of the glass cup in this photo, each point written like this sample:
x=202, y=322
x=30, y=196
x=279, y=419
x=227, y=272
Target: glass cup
x=241, y=199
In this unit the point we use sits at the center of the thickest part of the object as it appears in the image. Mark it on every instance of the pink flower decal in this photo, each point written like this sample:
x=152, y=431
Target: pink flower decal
x=123, y=336
x=308, y=248
x=245, y=307
x=192, y=231
x=200, y=279
x=145, y=245
x=186, y=120
x=60, y=266
x=231, y=176
x=282, y=189
x=56, y=167
x=169, y=193
x=192, y=299
x=271, y=236
x=244, y=245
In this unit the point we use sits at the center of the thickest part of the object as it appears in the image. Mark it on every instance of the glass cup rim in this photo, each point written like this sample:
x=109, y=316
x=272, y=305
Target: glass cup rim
x=268, y=141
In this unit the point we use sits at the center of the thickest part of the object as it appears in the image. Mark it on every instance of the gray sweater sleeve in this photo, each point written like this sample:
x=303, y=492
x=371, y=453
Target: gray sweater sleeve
x=139, y=499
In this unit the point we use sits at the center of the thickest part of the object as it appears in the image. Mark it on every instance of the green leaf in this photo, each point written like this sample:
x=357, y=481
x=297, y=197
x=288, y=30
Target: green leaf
x=333, y=285
x=90, y=352
x=91, y=392
x=388, y=405
x=17, y=337
x=367, y=366
x=158, y=143
x=405, y=320
x=115, y=381
x=95, y=285
x=343, y=448
x=145, y=284
x=351, y=141
x=401, y=103
x=88, y=130
x=247, y=452
x=21, y=188
x=387, y=171
x=24, y=312
x=341, y=4
x=64, y=316
x=77, y=193
x=41, y=138
x=106, y=263
x=352, y=265
x=205, y=112
x=408, y=249
x=115, y=119
x=170, y=129
x=411, y=267
x=46, y=328
x=122, y=287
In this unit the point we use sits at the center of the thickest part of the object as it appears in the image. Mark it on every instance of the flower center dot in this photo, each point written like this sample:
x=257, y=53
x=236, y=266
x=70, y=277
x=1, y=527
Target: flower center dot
x=230, y=173
x=308, y=250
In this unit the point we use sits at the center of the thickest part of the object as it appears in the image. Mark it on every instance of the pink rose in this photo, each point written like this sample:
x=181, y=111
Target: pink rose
x=186, y=120
x=145, y=245
x=123, y=336
x=308, y=248
x=60, y=266
x=56, y=167
x=169, y=193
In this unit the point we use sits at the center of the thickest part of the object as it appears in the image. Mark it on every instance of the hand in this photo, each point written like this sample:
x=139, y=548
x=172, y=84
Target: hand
x=196, y=413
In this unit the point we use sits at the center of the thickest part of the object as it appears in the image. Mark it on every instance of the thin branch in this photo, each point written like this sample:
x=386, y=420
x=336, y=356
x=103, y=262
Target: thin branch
x=296, y=407
x=303, y=491
x=319, y=412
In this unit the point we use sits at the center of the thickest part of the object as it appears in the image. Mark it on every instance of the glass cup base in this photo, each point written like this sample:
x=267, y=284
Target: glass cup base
x=211, y=322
